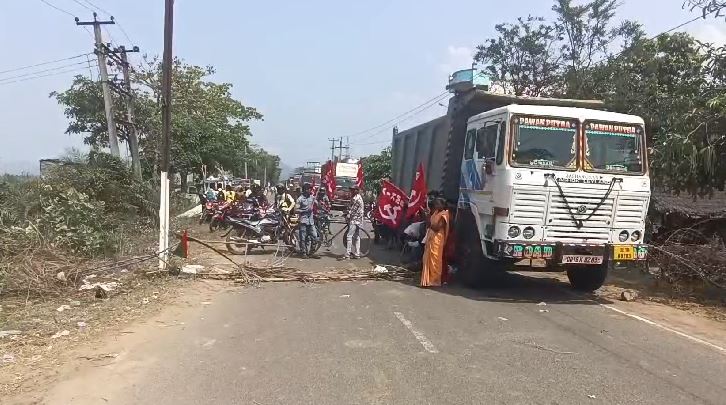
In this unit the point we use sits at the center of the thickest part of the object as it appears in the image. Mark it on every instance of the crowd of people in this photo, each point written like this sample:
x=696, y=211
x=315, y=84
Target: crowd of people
x=254, y=193
x=426, y=234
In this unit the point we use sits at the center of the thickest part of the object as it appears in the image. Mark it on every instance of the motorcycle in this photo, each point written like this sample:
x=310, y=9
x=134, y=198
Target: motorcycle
x=264, y=227
x=209, y=208
x=228, y=212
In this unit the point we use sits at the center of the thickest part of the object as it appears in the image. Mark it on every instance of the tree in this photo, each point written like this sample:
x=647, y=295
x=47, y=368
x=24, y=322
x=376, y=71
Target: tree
x=209, y=126
x=676, y=84
x=707, y=7
x=377, y=167
x=534, y=57
x=522, y=60
x=587, y=35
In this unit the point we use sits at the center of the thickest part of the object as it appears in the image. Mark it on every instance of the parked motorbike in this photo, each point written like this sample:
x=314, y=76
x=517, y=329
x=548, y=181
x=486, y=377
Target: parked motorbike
x=209, y=208
x=265, y=227
x=226, y=213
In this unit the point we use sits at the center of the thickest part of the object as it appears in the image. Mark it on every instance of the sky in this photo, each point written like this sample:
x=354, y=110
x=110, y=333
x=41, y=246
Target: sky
x=315, y=69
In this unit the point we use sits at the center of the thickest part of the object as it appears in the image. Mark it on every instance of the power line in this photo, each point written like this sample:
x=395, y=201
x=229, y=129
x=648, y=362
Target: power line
x=43, y=71
x=82, y=5
x=44, y=63
x=403, y=118
x=120, y=27
x=56, y=7
x=398, y=116
x=46, y=75
x=97, y=8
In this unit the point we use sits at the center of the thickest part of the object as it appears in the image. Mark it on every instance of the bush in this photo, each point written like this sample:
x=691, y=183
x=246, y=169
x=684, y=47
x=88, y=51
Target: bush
x=73, y=221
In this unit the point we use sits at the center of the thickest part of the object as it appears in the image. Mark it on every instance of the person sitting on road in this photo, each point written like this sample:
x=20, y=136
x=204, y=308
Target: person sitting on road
x=283, y=200
x=304, y=207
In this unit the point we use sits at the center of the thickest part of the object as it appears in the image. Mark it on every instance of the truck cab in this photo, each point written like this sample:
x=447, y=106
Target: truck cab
x=553, y=187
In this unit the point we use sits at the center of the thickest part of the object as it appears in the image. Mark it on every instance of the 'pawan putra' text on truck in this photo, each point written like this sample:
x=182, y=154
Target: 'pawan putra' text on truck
x=541, y=183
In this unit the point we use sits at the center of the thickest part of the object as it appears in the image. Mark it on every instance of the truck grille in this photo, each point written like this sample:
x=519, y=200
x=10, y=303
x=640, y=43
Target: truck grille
x=547, y=208
x=601, y=218
x=529, y=207
x=631, y=211
x=570, y=234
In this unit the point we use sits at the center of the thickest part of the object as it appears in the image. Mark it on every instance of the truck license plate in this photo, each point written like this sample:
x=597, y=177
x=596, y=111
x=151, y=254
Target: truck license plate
x=624, y=252
x=581, y=259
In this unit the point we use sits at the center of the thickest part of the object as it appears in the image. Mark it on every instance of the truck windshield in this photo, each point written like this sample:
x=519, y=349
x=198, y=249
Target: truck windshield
x=544, y=142
x=613, y=147
x=345, y=182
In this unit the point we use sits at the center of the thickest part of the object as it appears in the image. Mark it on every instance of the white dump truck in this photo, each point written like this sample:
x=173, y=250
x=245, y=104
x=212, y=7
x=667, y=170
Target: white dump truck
x=539, y=183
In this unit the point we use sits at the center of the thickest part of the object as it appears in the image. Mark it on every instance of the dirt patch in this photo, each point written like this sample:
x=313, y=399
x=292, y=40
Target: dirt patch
x=50, y=330
x=695, y=298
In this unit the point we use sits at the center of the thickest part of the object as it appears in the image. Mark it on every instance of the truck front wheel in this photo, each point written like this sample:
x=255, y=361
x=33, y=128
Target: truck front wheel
x=587, y=278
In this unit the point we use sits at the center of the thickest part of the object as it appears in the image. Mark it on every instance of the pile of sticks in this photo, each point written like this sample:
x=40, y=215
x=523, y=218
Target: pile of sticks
x=283, y=274
x=277, y=271
x=679, y=262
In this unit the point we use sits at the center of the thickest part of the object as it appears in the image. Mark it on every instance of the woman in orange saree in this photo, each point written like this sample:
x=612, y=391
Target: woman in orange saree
x=433, y=260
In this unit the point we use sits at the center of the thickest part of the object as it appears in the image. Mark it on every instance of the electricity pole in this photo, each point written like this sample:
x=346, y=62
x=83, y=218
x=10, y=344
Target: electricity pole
x=166, y=71
x=133, y=136
x=332, y=149
x=340, y=149
x=107, y=100
x=246, y=178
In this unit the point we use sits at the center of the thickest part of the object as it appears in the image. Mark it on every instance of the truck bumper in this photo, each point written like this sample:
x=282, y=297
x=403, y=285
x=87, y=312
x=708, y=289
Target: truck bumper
x=570, y=254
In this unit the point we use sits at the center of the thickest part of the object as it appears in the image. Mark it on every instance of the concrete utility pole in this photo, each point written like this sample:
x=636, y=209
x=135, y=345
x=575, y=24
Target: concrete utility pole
x=340, y=149
x=246, y=178
x=166, y=71
x=332, y=148
x=133, y=136
x=107, y=100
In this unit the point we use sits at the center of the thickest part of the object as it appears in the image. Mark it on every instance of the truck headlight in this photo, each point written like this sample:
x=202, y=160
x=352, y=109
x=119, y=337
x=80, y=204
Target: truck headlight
x=513, y=231
x=623, y=236
x=528, y=232
x=635, y=236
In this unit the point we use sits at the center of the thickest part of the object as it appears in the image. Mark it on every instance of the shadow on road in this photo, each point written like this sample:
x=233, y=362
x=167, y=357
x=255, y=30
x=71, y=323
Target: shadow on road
x=520, y=288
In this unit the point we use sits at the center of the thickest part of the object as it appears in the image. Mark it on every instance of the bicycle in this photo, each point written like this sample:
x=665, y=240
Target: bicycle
x=326, y=239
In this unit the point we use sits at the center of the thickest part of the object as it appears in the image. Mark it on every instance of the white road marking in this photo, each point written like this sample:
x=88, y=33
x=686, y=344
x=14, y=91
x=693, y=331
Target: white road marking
x=427, y=345
x=657, y=325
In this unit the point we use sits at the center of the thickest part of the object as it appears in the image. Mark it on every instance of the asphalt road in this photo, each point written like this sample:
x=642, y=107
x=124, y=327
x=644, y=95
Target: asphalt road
x=394, y=343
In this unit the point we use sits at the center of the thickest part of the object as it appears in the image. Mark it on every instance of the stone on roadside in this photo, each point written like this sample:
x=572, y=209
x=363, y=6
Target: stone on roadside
x=75, y=303
x=4, y=333
x=8, y=358
x=61, y=276
x=61, y=333
x=628, y=295
x=100, y=292
x=192, y=268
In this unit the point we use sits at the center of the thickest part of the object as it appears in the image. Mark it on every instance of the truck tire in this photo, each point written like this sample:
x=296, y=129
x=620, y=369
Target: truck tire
x=475, y=270
x=587, y=278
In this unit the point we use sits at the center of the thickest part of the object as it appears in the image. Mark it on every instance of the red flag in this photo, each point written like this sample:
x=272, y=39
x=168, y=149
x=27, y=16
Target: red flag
x=330, y=179
x=417, y=200
x=390, y=205
x=315, y=187
x=360, y=178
